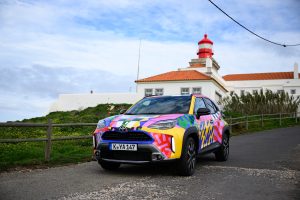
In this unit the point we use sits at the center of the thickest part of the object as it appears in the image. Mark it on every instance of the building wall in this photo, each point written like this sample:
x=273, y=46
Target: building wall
x=208, y=88
x=68, y=102
x=274, y=85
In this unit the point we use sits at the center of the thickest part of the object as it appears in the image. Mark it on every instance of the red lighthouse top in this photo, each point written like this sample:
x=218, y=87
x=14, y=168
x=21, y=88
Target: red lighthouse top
x=205, y=48
x=205, y=40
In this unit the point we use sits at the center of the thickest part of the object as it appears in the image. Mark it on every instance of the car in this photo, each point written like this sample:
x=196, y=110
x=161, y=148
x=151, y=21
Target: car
x=173, y=129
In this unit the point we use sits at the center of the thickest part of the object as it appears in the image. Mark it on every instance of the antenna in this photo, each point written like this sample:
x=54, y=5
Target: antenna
x=138, y=68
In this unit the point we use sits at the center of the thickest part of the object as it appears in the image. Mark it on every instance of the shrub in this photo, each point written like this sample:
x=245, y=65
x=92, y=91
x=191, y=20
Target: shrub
x=260, y=103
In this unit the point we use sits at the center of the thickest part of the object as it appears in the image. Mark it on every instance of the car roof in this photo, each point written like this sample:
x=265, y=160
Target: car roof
x=195, y=95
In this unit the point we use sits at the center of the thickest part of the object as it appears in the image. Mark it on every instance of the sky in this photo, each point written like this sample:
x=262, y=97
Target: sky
x=54, y=47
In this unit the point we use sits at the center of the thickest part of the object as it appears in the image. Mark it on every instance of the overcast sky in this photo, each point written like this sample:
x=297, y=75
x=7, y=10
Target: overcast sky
x=60, y=46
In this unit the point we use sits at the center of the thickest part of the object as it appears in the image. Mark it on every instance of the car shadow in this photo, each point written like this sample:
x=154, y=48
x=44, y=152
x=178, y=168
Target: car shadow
x=158, y=169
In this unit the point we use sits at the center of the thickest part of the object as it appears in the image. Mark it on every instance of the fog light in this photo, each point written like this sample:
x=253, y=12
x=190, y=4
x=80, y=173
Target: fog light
x=157, y=156
x=97, y=153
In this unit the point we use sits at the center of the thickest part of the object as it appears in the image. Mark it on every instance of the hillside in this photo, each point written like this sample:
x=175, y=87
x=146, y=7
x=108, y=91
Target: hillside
x=32, y=153
x=88, y=115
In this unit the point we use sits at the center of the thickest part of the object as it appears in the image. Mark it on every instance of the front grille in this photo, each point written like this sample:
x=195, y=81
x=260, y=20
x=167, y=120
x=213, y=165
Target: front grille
x=126, y=155
x=126, y=136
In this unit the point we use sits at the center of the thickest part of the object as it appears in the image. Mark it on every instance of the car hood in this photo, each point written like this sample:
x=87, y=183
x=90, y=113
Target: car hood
x=137, y=121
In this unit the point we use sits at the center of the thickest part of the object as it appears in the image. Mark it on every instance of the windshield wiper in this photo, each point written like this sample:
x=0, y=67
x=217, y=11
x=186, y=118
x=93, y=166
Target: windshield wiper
x=150, y=113
x=129, y=114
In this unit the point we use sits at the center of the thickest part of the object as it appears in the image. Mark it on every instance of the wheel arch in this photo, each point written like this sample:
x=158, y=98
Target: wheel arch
x=191, y=132
x=226, y=130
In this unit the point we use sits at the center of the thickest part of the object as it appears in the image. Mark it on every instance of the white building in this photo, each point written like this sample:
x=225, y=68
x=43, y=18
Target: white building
x=201, y=76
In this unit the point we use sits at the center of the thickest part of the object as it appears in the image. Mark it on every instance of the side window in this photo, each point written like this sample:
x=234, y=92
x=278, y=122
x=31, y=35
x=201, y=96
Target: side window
x=159, y=91
x=199, y=103
x=210, y=105
x=185, y=91
x=196, y=90
x=148, y=92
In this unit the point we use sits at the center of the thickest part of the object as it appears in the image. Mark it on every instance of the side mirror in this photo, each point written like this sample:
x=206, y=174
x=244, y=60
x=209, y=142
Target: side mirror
x=202, y=111
x=122, y=111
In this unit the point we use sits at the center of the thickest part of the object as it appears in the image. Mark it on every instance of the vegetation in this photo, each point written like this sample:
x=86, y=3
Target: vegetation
x=280, y=105
x=32, y=153
x=260, y=103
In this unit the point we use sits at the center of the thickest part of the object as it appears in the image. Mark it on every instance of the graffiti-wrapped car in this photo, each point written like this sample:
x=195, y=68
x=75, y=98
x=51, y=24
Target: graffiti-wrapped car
x=161, y=129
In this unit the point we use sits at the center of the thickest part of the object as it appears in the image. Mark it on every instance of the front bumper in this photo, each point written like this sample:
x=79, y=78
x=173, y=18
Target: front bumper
x=146, y=153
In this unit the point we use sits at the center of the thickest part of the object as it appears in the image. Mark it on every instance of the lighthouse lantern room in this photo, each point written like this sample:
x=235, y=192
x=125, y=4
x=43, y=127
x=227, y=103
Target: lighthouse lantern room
x=205, y=48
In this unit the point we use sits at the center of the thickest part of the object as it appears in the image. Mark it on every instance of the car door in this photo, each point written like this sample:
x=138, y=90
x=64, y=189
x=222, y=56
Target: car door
x=204, y=123
x=214, y=119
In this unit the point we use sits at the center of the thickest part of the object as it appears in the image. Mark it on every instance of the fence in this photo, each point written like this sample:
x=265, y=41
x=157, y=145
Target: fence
x=48, y=139
x=245, y=120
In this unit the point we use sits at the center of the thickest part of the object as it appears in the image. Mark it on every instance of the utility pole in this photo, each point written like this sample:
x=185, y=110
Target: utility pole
x=138, y=67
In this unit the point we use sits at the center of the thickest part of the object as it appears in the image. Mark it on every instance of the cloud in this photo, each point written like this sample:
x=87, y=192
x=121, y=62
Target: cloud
x=49, y=82
x=53, y=47
x=32, y=89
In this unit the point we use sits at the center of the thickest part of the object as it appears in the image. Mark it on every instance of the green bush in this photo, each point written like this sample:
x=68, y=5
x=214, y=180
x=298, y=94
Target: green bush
x=259, y=103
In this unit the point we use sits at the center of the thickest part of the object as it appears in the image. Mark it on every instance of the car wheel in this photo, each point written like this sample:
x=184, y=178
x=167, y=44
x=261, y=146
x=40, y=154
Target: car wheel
x=223, y=152
x=109, y=165
x=187, y=162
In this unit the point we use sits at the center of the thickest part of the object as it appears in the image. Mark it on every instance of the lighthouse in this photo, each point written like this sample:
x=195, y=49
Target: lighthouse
x=205, y=61
x=205, y=48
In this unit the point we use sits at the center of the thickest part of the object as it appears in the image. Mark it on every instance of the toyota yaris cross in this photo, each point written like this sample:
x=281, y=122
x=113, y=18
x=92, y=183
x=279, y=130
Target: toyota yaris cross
x=161, y=129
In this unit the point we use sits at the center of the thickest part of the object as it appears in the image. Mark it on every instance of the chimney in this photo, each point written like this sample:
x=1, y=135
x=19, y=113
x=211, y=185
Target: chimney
x=296, y=71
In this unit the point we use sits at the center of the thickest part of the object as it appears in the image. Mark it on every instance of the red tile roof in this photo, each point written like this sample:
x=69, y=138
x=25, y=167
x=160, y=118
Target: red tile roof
x=259, y=76
x=186, y=75
x=177, y=76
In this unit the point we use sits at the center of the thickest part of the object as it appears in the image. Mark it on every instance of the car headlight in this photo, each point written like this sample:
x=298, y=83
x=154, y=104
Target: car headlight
x=100, y=124
x=163, y=125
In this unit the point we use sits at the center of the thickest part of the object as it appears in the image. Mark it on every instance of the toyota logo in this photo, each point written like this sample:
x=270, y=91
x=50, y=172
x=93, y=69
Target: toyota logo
x=123, y=128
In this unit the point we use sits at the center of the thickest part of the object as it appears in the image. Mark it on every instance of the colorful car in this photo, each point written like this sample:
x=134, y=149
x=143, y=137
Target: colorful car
x=161, y=129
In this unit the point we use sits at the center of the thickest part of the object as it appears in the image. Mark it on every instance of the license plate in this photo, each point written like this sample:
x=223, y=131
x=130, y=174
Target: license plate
x=123, y=147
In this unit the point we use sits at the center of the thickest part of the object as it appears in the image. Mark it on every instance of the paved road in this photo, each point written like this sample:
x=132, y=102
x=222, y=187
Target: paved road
x=263, y=165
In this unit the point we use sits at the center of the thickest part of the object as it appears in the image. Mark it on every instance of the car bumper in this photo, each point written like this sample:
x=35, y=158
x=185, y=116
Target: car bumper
x=146, y=153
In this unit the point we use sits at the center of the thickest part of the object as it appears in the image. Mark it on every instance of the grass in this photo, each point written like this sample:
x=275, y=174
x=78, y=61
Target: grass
x=28, y=154
x=31, y=154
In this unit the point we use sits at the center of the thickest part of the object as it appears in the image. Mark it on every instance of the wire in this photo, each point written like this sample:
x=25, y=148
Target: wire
x=276, y=43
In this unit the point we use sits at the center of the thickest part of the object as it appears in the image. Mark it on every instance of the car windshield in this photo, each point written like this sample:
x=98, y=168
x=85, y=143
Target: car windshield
x=161, y=105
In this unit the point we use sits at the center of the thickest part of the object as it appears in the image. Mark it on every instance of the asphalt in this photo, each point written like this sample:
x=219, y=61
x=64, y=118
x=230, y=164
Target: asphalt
x=264, y=165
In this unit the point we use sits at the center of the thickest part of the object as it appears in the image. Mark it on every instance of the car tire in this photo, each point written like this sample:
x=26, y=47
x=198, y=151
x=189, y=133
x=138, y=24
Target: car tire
x=187, y=162
x=222, y=153
x=109, y=165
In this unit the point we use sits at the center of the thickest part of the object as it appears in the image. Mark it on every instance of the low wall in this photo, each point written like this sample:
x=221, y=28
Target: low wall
x=68, y=102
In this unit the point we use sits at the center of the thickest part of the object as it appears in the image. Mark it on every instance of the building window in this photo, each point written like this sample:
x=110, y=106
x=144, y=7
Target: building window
x=148, y=92
x=185, y=91
x=218, y=98
x=280, y=91
x=254, y=91
x=196, y=90
x=293, y=91
x=159, y=91
x=242, y=92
